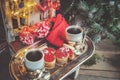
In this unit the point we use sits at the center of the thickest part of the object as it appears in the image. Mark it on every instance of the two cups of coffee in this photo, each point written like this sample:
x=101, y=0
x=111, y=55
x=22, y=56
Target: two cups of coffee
x=34, y=58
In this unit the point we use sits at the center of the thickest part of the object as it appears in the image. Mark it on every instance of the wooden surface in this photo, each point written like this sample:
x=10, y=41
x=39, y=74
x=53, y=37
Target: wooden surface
x=16, y=45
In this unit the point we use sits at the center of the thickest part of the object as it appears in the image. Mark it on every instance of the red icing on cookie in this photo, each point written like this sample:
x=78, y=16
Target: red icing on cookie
x=50, y=50
x=49, y=57
x=70, y=53
x=63, y=52
x=48, y=54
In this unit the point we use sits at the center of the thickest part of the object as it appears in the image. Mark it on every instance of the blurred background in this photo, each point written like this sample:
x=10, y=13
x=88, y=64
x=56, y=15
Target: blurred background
x=100, y=20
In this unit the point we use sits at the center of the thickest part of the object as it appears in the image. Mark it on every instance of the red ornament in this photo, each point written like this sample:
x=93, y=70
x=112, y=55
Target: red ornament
x=56, y=5
x=26, y=36
x=42, y=8
x=49, y=8
x=41, y=29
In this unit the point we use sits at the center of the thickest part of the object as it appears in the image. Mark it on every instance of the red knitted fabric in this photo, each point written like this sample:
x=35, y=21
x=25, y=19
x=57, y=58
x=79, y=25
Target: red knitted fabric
x=57, y=34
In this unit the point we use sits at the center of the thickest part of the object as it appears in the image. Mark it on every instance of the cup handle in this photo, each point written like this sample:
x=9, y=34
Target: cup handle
x=84, y=38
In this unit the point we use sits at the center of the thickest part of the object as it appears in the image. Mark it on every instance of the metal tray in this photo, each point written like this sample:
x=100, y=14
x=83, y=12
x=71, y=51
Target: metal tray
x=59, y=72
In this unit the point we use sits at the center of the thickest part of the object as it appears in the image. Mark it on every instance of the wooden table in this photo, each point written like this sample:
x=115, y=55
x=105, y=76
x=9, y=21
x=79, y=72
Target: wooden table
x=59, y=72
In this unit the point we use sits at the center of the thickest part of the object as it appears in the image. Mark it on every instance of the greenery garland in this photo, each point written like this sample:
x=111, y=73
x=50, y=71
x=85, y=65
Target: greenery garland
x=100, y=18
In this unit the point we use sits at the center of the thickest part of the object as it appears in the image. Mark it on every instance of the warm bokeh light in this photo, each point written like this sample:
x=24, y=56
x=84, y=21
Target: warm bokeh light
x=15, y=0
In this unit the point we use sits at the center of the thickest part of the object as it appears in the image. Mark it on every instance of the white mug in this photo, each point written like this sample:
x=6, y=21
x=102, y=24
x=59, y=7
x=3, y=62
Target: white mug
x=34, y=59
x=74, y=33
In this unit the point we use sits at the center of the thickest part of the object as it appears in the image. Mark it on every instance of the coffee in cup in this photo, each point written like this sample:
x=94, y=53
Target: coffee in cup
x=74, y=33
x=34, y=59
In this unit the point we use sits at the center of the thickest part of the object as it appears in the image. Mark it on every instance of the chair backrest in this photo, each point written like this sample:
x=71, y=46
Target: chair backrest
x=2, y=25
x=4, y=61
